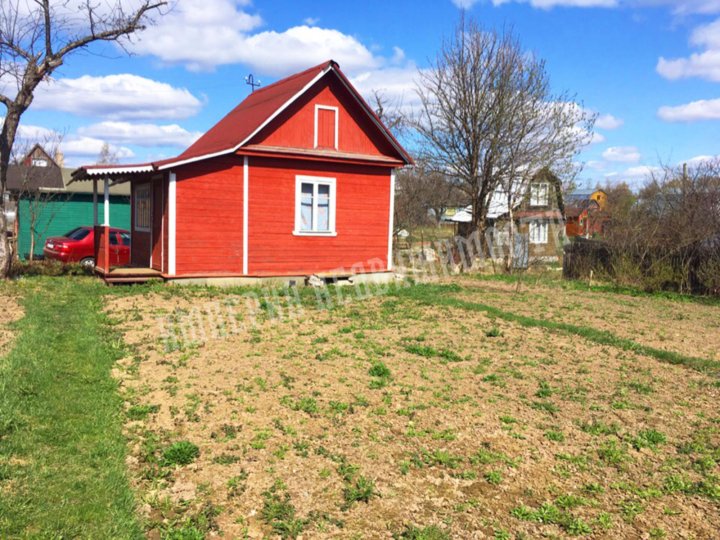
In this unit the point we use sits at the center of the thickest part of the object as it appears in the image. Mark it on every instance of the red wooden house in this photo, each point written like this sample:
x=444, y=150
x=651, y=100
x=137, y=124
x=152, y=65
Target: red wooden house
x=296, y=180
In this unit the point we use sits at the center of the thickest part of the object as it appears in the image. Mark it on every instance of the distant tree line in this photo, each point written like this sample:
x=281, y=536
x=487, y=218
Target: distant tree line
x=664, y=237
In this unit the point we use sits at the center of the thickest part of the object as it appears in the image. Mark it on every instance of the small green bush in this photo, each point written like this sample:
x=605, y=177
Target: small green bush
x=180, y=453
x=379, y=369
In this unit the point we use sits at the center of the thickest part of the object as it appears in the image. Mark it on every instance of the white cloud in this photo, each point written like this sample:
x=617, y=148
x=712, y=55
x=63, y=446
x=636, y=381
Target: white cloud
x=608, y=121
x=311, y=21
x=117, y=97
x=699, y=160
x=147, y=135
x=640, y=172
x=704, y=109
x=704, y=64
x=89, y=148
x=204, y=34
x=543, y=4
x=622, y=154
x=680, y=7
x=396, y=85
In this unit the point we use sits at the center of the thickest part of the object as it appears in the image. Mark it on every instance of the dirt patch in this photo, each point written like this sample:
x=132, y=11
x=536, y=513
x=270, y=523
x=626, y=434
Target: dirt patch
x=10, y=311
x=685, y=327
x=368, y=419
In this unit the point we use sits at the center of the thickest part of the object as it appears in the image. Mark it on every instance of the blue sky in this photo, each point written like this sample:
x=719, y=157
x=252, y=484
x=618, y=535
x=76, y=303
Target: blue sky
x=649, y=68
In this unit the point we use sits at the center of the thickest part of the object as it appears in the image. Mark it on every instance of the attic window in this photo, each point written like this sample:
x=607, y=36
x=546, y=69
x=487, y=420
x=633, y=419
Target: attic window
x=539, y=194
x=36, y=162
x=326, y=127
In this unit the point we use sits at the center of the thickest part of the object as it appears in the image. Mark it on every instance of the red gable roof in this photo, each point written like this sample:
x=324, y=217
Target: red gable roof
x=253, y=112
x=250, y=116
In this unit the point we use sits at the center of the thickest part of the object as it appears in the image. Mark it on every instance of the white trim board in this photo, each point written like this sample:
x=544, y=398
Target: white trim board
x=246, y=189
x=391, y=221
x=172, y=220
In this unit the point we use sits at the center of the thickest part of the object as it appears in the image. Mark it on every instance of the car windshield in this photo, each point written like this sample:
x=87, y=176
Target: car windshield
x=78, y=234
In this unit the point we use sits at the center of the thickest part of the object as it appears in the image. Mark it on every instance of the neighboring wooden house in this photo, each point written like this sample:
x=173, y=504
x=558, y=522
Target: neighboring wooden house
x=539, y=219
x=586, y=214
x=46, y=204
x=296, y=180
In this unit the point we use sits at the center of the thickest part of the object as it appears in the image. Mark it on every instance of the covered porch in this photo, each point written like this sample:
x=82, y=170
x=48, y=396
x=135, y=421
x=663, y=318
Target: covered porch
x=147, y=259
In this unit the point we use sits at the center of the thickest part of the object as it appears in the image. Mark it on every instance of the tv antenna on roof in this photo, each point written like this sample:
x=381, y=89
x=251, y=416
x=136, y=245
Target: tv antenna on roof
x=250, y=81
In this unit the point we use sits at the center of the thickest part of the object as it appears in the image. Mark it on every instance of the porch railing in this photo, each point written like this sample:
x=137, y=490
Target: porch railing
x=102, y=248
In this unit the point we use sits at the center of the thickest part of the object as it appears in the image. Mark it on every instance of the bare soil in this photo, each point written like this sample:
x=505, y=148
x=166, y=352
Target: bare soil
x=478, y=425
x=10, y=311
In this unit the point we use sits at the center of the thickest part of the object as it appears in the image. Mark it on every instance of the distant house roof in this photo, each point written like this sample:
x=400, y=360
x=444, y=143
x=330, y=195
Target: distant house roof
x=497, y=207
x=246, y=120
x=31, y=179
x=578, y=206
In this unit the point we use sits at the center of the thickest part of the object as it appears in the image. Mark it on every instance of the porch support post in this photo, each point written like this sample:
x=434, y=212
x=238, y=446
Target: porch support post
x=172, y=219
x=106, y=221
x=95, y=202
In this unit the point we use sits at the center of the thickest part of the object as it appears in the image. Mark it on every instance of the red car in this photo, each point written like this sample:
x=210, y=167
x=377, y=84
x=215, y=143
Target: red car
x=79, y=246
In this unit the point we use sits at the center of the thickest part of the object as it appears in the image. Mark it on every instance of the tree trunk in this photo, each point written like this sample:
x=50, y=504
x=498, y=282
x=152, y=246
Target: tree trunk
x=511, y=234
x=7, y=138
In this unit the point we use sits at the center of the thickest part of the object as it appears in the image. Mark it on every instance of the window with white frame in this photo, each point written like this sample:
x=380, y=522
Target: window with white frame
x=314, y=206
x=538, y=232
x=142, y=207
x=326, y=127
x=539, y=194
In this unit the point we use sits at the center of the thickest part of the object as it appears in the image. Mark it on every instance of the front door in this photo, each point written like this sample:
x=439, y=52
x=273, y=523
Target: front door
x=141, y=224
x=158, y=237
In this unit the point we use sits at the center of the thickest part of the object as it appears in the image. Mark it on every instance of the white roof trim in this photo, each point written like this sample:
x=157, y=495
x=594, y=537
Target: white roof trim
x=373, y=117
x=118, y=170
x=259, y=128
x=194, y=159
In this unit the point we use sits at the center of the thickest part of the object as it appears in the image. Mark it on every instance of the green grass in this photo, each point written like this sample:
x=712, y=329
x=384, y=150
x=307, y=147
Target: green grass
x=61, y=442
x=440, y=295
x=581, y=285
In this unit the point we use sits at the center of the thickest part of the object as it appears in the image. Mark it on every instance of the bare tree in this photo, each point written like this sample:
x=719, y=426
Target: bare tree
x=35, y=39
x=107, y=155
x=489, y=119
x=37, y=189
x=668, y=235
x=422, y=196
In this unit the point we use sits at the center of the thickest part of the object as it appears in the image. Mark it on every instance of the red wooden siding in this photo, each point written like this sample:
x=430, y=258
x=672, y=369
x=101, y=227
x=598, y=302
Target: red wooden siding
x=294, y=128
x=362, y=219
x=209, y=204
x=140, y=244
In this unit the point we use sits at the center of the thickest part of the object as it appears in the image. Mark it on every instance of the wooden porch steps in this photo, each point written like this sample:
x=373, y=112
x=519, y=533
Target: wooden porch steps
x=129, y=275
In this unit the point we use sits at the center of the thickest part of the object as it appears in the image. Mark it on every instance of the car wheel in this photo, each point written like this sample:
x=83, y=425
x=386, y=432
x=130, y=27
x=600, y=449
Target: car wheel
x=88, y=263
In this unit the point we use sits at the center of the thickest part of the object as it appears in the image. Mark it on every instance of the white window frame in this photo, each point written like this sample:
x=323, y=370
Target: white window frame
x=337, y=122
x=535, y=190
x=142, y=187
x=39, y=162
x=538, y=231
x=315, y=181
